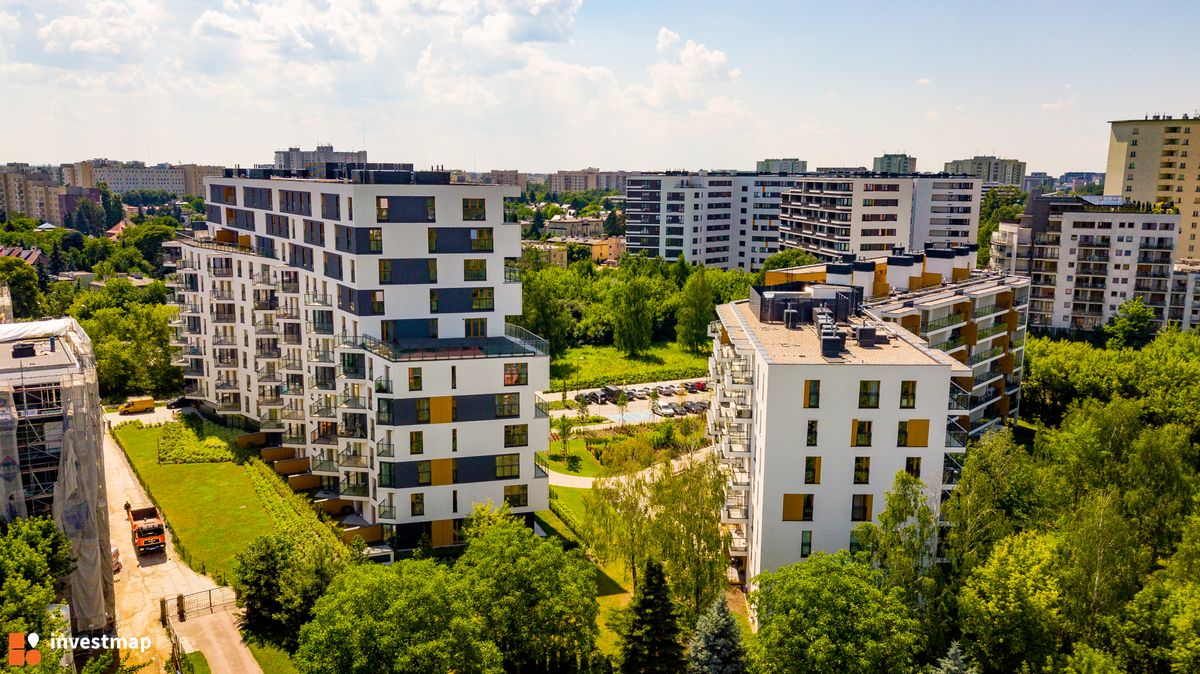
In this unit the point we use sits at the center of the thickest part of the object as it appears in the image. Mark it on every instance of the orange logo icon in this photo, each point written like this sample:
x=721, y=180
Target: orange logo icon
x=18, y=656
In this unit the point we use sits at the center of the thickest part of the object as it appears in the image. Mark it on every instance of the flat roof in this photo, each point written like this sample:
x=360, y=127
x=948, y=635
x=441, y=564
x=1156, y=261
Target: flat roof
x=43, y=359
x=949, y=294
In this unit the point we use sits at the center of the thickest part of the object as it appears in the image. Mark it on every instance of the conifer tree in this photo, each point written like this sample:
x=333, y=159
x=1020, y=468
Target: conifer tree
x=650, y=642
x=716, y=647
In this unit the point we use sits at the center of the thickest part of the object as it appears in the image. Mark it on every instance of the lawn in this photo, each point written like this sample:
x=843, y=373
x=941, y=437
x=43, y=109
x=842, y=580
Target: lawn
x=577, y=461
x=211, y=507
x=273, y=660
x=595, y=366
x=199, y=662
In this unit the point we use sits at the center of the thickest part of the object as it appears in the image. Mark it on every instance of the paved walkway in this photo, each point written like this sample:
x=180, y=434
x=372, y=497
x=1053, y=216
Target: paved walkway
x=143, y=581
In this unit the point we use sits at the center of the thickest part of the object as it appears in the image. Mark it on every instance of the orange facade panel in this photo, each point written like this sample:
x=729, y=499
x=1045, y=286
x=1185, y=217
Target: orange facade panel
x=442, y=533
x=441, y=471
x=441, y=409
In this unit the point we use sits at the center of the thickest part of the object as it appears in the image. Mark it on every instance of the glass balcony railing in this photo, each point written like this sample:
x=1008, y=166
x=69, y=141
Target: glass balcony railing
x=943, y=323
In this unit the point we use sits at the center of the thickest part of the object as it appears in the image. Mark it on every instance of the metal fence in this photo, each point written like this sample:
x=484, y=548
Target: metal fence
x=181, y=606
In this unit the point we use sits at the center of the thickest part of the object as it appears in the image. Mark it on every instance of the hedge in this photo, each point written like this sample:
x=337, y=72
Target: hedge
x=292, y=514
x=649, y=375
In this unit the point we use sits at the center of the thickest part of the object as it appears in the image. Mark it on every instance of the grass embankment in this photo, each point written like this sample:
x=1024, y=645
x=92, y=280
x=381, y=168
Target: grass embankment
x=577, y=460
x=594, y=366
x=271, y=659
x=199, y=662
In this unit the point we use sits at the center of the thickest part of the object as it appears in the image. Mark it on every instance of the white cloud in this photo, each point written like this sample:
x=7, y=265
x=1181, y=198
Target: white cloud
x=684, y=73
x=106, y=27
x=667, y=38
x=924, y=81
x=1067, y=101
x=9, y=23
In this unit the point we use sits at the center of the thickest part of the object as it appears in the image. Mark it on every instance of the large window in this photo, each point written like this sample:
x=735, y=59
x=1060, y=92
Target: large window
x=473, y=209
x=422, y=410
x=868, y=394
x=516, y=435
x=414, y=379
x=811, y=440
x=385, y=271
x=475, y=328
x=433, y=300
x=424, y=472
x=417, y=504
x=508, y=465
x=481, y=239
x=517, y=495
x=812, y=393
x=374, y=240
x=797, y=507
x=860, y=508
x=404, y=209
x=862, y=433
x=812, y=470
x=516, y=374
x=912, y=466
x=483, y=299
x=862, y=469
x=908, y=395
x=474, y=270
x=902, y=434
x=805, y=543
x=508, y=405
x=416, y=442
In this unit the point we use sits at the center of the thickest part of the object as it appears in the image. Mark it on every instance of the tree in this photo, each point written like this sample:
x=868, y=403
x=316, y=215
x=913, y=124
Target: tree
x=538, y=224
x=832, y=613
x=90, y=218
x=695, y=312
x=954, y=662
x=537, y=601
x=716, y=646
x=650, y=640
x=788, y=257
x=616, y=520
x=633, y=319
x=1088, y=660
x=114, y=211
x=1011, y=606
x=149, y=236
x=564, y=426
x=22, y=282
x=611, y=226
x=622, y=404
x=55, y=264
x=1002, y=203
x=545, y=314
x=1131, y=327
x=412, y=616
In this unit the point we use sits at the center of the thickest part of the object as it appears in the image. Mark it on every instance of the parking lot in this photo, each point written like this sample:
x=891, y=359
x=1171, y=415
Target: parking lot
x=641, y=409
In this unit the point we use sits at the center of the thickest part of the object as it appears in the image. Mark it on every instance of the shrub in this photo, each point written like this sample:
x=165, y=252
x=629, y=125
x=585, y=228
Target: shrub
x=193, y=442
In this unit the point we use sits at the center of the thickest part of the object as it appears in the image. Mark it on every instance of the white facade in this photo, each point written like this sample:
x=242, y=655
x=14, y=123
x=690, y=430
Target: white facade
x=346, y=319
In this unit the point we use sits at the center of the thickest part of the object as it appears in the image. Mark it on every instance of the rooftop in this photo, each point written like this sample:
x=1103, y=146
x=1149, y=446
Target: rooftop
x=40, y=348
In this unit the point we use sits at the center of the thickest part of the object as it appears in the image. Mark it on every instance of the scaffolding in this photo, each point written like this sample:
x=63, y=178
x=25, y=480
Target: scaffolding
x=6, y=305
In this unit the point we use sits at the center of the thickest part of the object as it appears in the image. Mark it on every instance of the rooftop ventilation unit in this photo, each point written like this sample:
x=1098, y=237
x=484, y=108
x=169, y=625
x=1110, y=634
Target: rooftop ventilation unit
x=23, y=350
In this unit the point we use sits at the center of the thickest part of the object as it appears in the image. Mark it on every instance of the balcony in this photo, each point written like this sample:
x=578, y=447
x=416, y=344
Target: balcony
x=352, y=431
x=221, y=294
x=354, y=490
x=951, y=468
x=512, y=274
x=292, y=412
x=943, y=323
x=287, y=314
x=516, y=342
x=981, y=426
x=981, y=378
x=265, y=328
x=293, y=365
x=227, y=384
x=224, y=317
x=263, y=279
x=226, y=361
x=950, y=344
x=988, y=310
x=267, y=352
x=319, y=328
x=268, y=422
x=318, y=438
x=293, y=439
x=193, y=371
x=541, y=408
x=385, y=512
x=322, y=383
x=223, y=339
x=991, y=331
x=344, y=372
x=956, y=436
x=289, y=287
x=352, y=402
x=383, y=385
x=274, y=401
x=221, y=272
x=982, y=356
x=959, y=398
x=269, y=376
x=320, y=356
x=317, y=300
x=353, y=460
x=191, y=308
x=325, y=410
x=385, y=450
x=324, y=466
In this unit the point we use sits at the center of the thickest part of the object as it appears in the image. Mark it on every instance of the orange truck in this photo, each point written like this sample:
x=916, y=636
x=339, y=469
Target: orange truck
x=146, y=527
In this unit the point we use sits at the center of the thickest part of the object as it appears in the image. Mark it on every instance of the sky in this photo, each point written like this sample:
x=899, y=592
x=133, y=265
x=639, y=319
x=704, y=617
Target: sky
x=542, y=85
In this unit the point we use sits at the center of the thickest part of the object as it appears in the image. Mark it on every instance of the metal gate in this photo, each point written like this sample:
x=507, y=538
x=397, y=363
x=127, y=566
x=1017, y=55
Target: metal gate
x=181, y=606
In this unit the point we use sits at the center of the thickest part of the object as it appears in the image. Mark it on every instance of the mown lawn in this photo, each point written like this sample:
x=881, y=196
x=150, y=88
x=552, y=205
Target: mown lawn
x=199, y=662
x=577, y=460
x=273, y=660
x=594, y=366
x=212, y=507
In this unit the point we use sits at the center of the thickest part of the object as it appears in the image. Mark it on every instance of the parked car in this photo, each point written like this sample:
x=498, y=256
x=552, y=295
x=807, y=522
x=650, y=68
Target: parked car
x=137, y=404
x=178, y=403
x=702, y=385
x=641, y=393
x=693, y=407
x=662, y=410
x=690, y=386
x=678, y=409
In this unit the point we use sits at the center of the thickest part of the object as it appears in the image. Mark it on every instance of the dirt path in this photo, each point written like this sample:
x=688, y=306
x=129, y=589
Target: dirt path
x=143, y=581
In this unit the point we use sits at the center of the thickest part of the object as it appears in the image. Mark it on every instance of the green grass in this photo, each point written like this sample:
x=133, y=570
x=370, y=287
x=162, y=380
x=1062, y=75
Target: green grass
x=578, y=461
x=571, y=498
x=593, y=366
x=272, y=660
x=199, y=662
x=212, y=507
x=1024, y=434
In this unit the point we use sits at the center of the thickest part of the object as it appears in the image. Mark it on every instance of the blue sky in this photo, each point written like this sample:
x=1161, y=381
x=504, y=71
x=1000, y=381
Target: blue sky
x=547, y=84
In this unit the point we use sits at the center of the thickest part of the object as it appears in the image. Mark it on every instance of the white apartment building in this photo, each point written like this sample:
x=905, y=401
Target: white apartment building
x=294, y=158
x=894, y=163
x=586, y=179
x=1086, y=256
x=511, y=177
x=723, y=219
x=989, y=169
x=122, y=177
x=359, y=320
x=789, y=165
x=834, y=215
x=820, y=399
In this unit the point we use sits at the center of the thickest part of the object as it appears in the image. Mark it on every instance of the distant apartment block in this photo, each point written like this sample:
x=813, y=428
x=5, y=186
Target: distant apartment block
x=1086, y=256
x=792, y=165
x=294, y=158
x=356, y=316
x=123, y=177
x=895, y=163
x=51, y=458
x=832, y=378
x=1148, y=162
x=1038, y=181
x=724, y=219
x=989, y=169
x=561, y=225
x=586, y=179
x=512, y=178
x=831, y=216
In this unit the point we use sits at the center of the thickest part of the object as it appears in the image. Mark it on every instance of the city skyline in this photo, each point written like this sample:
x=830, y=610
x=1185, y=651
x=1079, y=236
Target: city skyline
x=559, y=84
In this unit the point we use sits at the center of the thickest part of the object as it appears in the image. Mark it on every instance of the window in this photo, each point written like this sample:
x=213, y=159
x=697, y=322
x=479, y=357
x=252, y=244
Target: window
x=508, y=465
x=508, y=405
x=432, y=270
x=475, y=328
x=862, y=469
x=812, y=470
x=805, y=543
x=902, y=435
x=908, y=394
x=516, y=435
x=454, y=433
x=474, y=270
x=422, y=410
x=433, y=300
x=868, y=394
x=517, y=495
x=860, y=508
x=812, y=393
x=483, y=299
x=417, y=504
x=516, y=374
x=862, y=433
x=811, y=441
x=374, y=240
x=414, y=379
x=473, y=209
x=385, y=271
x=481, y=239
x=377, y=304
x=453, y=376
x=854, y=546
x=797, y=507
x=416, y=442
x=454, y=501
x=432, y=240
x=424, y=472
x=912, y=466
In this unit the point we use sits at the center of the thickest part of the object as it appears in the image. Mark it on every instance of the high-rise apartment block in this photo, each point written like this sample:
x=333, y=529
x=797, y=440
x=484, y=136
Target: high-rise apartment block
x=989, y=169
x=358, y=319
x=1148, y=162
x=895, y=163
x=51, y=458
x=294, y=158
x=831, y=216
x=511, y=177
x=791, y=165
x=586, y=179
x=123, y=177
x=834, y=377
x=1086, y=256
x=722, y=219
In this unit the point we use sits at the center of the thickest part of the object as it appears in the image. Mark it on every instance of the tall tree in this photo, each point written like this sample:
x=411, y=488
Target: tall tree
x=832, y=613
x=22, y=282
x=716, y=646
x=954, y=662
x=114, y=211
x=616, y=520
x=633, y=317
x=695, y=312
x=1132, y=326
x=545, y=314
x=650, y=640
x=788, y=257
x=90, y=218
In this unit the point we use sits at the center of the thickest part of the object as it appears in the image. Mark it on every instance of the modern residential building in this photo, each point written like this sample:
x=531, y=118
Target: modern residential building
x=834, y=215
x=989, y=169
x=791, y=165
x=294, y=158
x=586, y=179
x=725, y=219
x=842, y=169
x=511, y=177
x=51, y=458
x=122, y=177
x=356, y=315
x=1087, y=255
x=895, y=163
x=826, y=386
x=1148, y=162
x=1038, y=181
